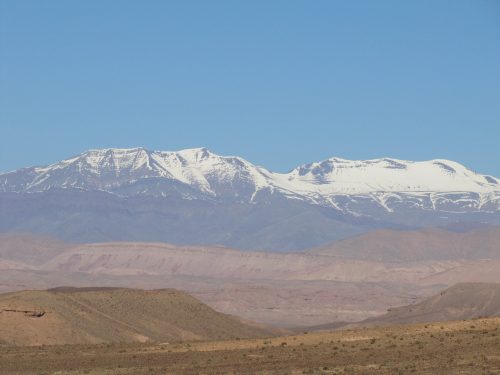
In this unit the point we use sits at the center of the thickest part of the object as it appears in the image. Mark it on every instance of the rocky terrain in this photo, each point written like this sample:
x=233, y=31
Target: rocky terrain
x=196, y=197
x=460, y=302
x=463, y=347
x=286, y=290
x=124, y=331
x=417, y=245
x=464, y=301
x=106, y=315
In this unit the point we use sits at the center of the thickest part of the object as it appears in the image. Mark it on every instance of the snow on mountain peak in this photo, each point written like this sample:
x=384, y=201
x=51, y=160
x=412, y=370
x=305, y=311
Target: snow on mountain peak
x=337, y=176
x=199, y=171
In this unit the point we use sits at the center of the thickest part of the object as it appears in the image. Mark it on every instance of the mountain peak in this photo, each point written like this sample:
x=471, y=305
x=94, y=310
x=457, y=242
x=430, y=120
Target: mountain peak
x=198, y=173
x=198, y=153
x=113, y=150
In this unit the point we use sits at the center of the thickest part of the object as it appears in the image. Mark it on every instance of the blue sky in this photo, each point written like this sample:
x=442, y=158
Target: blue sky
x=278, y=82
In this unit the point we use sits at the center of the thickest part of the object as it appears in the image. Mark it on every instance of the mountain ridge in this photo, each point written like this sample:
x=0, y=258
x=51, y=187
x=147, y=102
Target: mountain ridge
x=459, y=302
x=199, y=173
x=429, y=243
x=195, y=196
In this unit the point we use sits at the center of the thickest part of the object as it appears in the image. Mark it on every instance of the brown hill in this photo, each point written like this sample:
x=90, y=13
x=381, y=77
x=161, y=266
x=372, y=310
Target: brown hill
x=417, y=245
x=165, y=259
x=462, y=301
x=281, y=289
x=480, y=271
x=94, y=315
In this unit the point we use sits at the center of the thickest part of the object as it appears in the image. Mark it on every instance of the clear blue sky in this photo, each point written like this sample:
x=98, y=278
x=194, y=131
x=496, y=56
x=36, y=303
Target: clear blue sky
x=278, y=82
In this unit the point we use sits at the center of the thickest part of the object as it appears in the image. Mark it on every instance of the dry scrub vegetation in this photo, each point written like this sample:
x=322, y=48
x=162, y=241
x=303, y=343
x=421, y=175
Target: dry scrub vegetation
x=463, y=347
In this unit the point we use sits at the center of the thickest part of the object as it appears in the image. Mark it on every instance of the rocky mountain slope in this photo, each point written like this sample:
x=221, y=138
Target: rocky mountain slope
x=293, y=289
x=163, y=259
x=461, y=301
x=194, y=196
x=97, y=315
x=201, y=174
x=417, y=245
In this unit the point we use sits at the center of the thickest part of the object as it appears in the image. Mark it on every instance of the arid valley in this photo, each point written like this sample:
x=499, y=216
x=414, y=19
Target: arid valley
x=319, y=311
x=249, y=187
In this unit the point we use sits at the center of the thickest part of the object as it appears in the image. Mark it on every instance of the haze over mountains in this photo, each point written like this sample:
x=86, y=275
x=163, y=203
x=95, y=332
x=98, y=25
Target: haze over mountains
x=418, y=245
x=460, y=302
x=397, y=230
x=194, y=196
x=349, y=280
x=372, y=234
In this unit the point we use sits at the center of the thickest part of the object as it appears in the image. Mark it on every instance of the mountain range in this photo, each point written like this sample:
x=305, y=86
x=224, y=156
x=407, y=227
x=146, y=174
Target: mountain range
x=195, y=196
x=348, y=280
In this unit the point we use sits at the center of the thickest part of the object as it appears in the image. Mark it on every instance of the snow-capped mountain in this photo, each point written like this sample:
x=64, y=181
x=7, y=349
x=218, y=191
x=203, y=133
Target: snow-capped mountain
x=197, y=197
x=434, y=185
x=192, y=173
x=351, y=186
